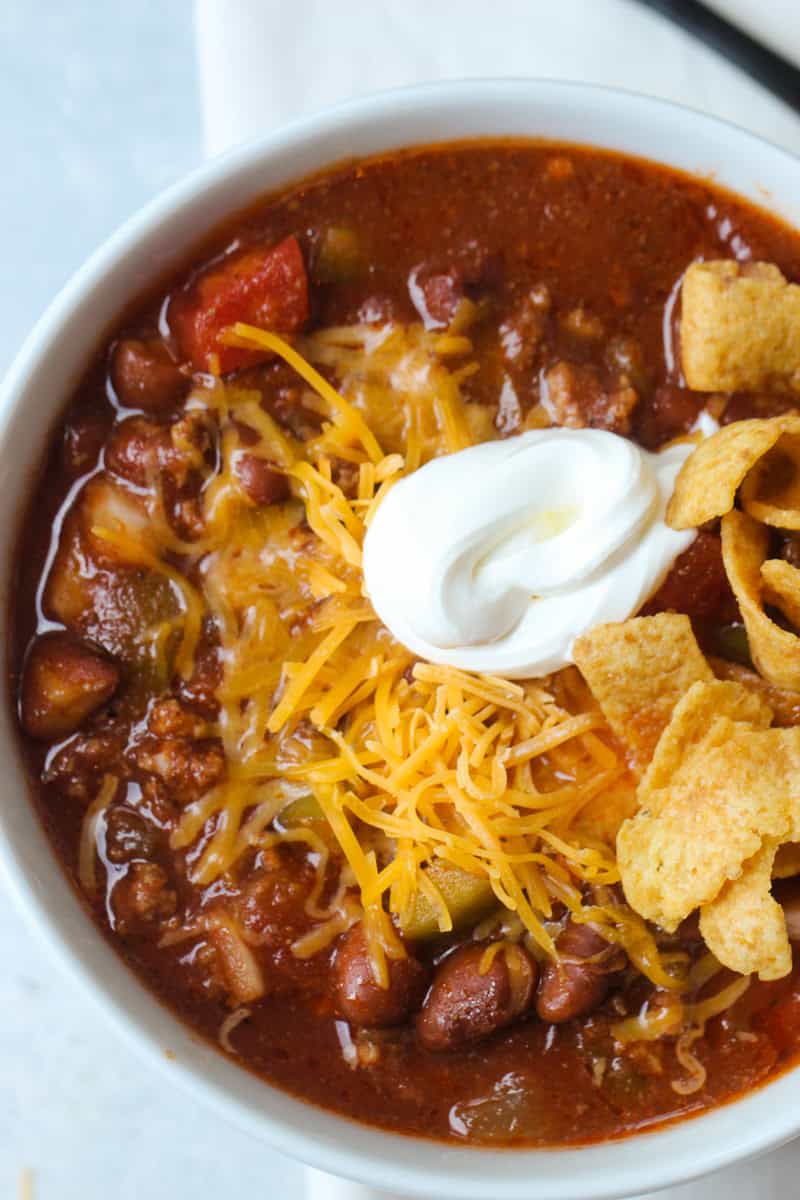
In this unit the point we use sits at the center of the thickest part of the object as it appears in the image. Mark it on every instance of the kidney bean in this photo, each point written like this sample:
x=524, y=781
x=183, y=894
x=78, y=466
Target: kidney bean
x=144, y=376
x=466, y=1004
x=64, y=680
x=138, y=449
x=669, y=412
x=360, y=999
x=580, y=981
x=260, y=480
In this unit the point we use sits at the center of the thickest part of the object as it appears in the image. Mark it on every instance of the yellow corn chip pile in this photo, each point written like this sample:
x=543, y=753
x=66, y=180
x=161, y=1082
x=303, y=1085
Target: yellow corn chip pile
x=774, y=650
x=708, y=481
x=740, y=326
x=757, y=461
x=744, y=927
x=637, y=671
x=696, y=833
x=771, y=491
x=704, y=716
x=719, y=791
x=785, y=703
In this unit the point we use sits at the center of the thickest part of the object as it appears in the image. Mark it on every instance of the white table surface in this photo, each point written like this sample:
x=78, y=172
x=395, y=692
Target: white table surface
x=98, y=111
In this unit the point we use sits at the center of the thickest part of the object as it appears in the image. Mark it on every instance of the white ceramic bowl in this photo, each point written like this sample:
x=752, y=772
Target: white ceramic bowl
x=32, y=396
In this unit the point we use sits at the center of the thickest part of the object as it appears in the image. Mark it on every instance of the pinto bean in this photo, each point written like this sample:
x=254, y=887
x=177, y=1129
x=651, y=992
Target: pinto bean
x=466, y=1004
x=582, y=979
x=63, y=682
x=260, y=480
x=360, y=999
x=144, y=376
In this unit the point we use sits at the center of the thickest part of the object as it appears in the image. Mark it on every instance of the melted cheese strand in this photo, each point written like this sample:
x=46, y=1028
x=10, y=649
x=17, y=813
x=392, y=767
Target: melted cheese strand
x=250, y=336
x=408, y=763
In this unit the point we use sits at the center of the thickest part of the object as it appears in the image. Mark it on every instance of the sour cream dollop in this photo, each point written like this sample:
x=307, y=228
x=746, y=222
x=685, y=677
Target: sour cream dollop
x=496, y=558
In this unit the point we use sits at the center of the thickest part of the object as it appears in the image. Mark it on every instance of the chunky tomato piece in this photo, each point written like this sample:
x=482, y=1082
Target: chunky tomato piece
x=263, y=286
x=697, y=584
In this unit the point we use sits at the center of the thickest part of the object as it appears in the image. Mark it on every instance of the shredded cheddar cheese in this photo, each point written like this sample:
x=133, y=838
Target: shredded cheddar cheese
x=408, y=764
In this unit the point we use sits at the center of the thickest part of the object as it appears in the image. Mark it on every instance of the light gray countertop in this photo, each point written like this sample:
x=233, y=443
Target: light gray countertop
x=98, y=112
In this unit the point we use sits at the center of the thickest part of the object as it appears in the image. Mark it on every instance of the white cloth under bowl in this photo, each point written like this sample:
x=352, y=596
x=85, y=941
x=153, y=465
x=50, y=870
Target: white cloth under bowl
x=264, y=62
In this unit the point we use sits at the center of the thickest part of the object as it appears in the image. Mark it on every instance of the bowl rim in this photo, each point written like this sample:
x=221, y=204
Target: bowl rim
x=662, y=1157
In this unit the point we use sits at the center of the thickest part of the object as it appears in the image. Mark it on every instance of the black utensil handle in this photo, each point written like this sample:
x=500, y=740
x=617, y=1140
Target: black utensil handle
x=771, y=70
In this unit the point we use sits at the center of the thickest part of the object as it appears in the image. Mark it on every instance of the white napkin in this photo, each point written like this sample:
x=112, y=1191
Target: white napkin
x=777, y=22
x=263, y=62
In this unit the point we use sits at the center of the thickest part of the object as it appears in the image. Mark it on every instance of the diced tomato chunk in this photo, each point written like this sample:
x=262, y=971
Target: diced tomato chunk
x=697, y=584
x=267, y=287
